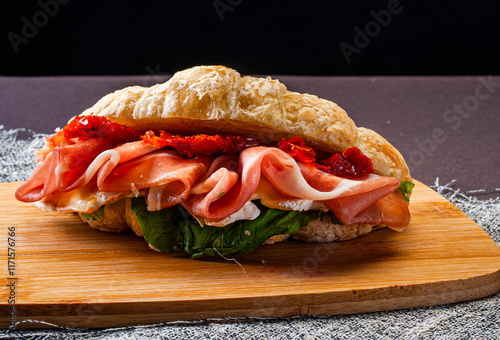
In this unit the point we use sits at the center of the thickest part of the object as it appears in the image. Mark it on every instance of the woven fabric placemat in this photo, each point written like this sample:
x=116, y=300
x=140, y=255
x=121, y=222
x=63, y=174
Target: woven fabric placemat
x=478, y=319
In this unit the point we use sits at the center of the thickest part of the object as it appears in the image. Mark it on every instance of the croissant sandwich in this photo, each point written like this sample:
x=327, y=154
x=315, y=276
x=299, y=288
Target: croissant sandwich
x=213, y=163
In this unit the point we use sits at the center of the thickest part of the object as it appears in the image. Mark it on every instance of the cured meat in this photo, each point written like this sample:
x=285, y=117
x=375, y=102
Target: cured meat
x=292, y=179
x=391, y=209
x=125, y=168
x=40, y=184
x=394, y=211
x=362, y=203
x=61, y=170
x=168, y=176
x=375, y=201
x=212, y=189
x=219, y=193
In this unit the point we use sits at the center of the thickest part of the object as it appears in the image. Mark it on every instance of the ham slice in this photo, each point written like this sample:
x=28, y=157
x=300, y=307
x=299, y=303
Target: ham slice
x=212, y=189
x=61, y=170
x=291, y=179
x=374, y=202
x=40, y=184
x=394, y=211
x=125, y=168
x=220, y=182
x=166, y=174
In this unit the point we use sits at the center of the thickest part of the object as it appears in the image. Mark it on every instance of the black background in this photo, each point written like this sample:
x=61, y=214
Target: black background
x=440, y=37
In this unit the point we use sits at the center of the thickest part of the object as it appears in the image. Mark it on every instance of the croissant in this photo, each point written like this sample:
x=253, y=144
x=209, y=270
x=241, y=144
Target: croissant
x=238, y=161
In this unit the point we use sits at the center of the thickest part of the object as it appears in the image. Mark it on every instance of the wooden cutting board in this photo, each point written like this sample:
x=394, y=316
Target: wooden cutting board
x=71, y=275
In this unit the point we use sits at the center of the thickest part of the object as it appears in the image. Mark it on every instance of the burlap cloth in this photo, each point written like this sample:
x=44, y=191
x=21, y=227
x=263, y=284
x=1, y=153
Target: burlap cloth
x=478, y=319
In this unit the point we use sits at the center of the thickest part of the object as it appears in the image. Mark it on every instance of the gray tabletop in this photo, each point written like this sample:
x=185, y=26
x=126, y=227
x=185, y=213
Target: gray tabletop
x=446, y=128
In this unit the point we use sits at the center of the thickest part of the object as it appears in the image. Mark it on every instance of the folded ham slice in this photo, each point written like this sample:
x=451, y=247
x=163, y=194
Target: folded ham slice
x=63, y=169
x=353, y=200
x=375, y=201
x=125, y=168
x=168, y=176
x=208, y=188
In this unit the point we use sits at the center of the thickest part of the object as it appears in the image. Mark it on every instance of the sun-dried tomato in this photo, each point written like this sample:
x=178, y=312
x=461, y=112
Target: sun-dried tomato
x=351, y=163
x=100, y=127
x=204, y=145
x=297, y=148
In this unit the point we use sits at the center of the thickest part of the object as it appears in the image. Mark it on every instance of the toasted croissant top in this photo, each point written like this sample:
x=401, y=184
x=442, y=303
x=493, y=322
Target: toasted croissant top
x=216, y=99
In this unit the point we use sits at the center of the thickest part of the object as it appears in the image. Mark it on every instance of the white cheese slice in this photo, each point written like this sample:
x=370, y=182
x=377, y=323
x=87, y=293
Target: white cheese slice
x=303, y=205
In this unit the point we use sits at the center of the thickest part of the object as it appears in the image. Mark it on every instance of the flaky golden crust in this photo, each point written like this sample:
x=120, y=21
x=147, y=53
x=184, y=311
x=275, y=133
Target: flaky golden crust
x=386, y=158
x=216, y=99
x=117, y=104
x=113, y=220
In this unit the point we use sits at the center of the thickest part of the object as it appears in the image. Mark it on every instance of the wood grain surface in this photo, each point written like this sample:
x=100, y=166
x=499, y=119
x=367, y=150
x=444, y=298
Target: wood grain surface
x=71, y=275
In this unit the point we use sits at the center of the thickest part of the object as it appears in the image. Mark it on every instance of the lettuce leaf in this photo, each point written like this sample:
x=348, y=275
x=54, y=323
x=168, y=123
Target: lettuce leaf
x=173, y=229
x=406, y=187
x=159, y=227
x=241, y=237
x=97, y=215
x=333, y=219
